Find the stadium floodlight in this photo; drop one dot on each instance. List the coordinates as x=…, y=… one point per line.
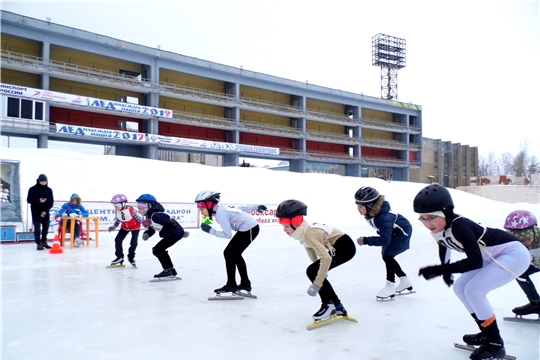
x=388, y=53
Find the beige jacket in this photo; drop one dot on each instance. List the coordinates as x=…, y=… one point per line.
x=319, y=240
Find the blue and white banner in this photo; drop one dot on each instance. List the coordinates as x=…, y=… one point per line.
x=159, y=139
x=47, y=95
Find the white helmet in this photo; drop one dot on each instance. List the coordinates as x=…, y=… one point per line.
x=208, y=195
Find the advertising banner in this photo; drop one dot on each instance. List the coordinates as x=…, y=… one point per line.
x=47, y=95
x=10, y=198
x=159, y=139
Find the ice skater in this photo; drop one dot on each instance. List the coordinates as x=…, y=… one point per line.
x=231, y=218
x=523, y=225
x=394, y=235
x=169, y=230
x=326, y=246
x=131, y=222
x=493, y=258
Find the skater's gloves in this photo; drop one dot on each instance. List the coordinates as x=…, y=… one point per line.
x=206, y=228
x=261, y=208
x=448, y=279
x=111, y=228
x=145, y=236
x=360, y=241
x=431, y=272
x=146, y=223
x=313, y=290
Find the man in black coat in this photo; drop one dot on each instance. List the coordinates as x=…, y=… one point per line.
x=41, y=200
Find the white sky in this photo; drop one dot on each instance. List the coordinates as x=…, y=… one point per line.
x=69, y=303
x=473, y=66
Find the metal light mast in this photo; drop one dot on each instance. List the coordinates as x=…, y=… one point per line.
x=388, y=52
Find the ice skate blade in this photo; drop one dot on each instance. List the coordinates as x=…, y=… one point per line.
x=167, y=278
x=405, y=292
x=520, y=319
x=115, y=266
x=233, y=296
x=333, y=318
x=472, y=348
x=246, y=294
x=388, y=298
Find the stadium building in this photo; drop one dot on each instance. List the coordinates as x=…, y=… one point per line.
x=64, y=84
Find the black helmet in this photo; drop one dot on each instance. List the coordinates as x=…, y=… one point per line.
x=366, y=195
x=433, y=198
x=291, y=208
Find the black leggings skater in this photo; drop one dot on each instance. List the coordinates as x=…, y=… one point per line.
x=132, y=245
x=392, y=268
x=233, y=256
x=345, y=251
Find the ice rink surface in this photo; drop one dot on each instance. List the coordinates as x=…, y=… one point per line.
x=69, y=306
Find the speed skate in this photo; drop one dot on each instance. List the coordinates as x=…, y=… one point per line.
x=521, y=319
x=333, y=318
x=233, y=296
x=166, y=278
x=472, y=348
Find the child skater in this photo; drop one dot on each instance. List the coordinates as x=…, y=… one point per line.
x=394, y=232
x=131, y=221
x=493, y=258
x=73, y=209
x=231, y=219
x=327, y=247
x=170, y=231
x=523, y=225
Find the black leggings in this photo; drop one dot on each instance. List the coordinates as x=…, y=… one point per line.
x=345, y=251
x=132, y=246
x=392, y=268
x=233, y=256
x=160, y=251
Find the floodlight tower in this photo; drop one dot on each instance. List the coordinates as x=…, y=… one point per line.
x=388, y=52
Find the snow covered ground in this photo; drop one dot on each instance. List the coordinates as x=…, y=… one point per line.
x=65, y=306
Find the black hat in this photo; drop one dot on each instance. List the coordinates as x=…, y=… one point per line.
x=42, y=177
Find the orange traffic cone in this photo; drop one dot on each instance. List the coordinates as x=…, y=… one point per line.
x=56, y=248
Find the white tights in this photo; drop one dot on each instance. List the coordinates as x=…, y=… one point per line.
x=473, y=286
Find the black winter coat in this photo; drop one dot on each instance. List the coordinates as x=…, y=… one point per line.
x=37, y=192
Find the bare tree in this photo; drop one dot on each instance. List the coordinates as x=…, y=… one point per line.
x=533, y=166
x=506, y=162
x=519, y=163
x=482, y=166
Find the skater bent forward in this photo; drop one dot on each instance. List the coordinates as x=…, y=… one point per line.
x=493, y=258
x=326, y=246
x=170, y=231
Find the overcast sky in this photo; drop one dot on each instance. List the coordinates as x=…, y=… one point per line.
x=473, y=66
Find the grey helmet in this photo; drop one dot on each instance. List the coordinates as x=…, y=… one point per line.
x=366, y=195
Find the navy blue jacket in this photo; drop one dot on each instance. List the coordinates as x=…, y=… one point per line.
x=394, y=230
x=164, y=223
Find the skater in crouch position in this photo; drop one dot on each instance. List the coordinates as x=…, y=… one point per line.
x=394, y=235
x=73, y=209
x=169, y=229
x=327, y=247
x=131, y=222
x=230, y=219
x=523, y=225
x=493, y=258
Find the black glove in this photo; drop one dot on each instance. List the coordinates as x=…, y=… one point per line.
x=448, y=279
x=206, y=228
x=145, y=236
x=430, y=272
x=261, y=208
